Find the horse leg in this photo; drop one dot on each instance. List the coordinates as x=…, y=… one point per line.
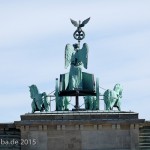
x=118, y=105
x=111, y=105
x=32, y=109
x=111, y=108
x=119, y=108
x=42, y=108
x=108, y=107
x=33, y=105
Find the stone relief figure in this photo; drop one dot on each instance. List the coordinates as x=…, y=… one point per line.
x=112, y=98
x=76, y=58
x=90, y=102
x=40, y=102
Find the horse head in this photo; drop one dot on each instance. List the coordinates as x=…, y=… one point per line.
x=33, y=91
x=118, y=89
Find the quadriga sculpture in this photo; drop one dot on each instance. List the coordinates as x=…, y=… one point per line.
x=112, y=98
x=40, y=102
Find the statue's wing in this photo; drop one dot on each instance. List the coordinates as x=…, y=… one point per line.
x=68, y=54
x=85, y=22
x=84, y=55
x=75, y=23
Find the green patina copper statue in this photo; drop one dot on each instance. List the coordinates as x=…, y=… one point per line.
x=62, y=103
x=112, y=98
x=75, y=82
x=40, y=102
x=59, y=104
x=90, y=102
x=66, y=103
x=76, y=58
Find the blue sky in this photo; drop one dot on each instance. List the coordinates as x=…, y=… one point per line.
x=33, y=35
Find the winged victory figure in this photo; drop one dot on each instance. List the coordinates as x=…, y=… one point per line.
x=76, y=58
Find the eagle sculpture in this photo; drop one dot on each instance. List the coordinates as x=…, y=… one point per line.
x=76, y=24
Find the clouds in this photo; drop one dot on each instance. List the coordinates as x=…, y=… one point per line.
x=33, y=35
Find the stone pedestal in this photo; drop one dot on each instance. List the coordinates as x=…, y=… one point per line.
x=92, y=130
